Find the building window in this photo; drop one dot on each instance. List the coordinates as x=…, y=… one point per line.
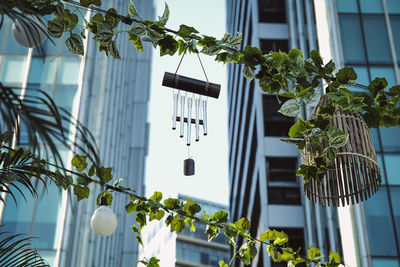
x=282, y=169
x=282, y=183
x=275, y=124
x=268, y=45
x=271, y=11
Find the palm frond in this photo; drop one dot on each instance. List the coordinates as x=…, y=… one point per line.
x=47, y=125
x=15, y=251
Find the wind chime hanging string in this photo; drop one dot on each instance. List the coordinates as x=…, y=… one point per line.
x=198, y=89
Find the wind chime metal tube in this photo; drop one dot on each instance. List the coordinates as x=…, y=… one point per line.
x=189, y=120
x=175, y=112
x=197, y=104
x=204, y=117
x=182, y=121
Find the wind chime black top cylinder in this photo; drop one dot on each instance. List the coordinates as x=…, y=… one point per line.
x=191, y=85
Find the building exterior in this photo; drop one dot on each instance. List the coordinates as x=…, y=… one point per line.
x=263, y=185
x=110, y=98
x=185, y=249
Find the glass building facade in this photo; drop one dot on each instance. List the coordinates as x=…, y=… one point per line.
x=56, y=72
x=117, y=119
x=363, y=34
x=370, y=38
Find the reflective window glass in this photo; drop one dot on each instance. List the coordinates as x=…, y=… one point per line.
x=3, y=32
x=386, y=72
x=362, y=75
x=350, y=31
x=49, y=256
x=64, y=96
x=13, y=70
x=392, y=163
x=380, y=162
x=395, y=24
x=382, y=262
x=347, y=6
x=379, y=224
x=43, y=71
x=271, y=11
x=50, y=47
x=390, y=139
x=68, y=70
x=376, y=38
x=375, y=139
x=45, y=222
x=17, y=218
x=371, y=6
x=395, y=195
x=393, y=6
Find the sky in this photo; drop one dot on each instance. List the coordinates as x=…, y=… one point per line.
x=167, y=151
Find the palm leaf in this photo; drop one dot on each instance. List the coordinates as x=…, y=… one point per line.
x=15, y=251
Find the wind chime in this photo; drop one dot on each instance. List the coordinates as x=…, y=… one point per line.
x=186, y=92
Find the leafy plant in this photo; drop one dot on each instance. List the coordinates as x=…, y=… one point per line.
x=15, y=251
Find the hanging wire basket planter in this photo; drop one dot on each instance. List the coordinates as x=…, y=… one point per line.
x=356, y=175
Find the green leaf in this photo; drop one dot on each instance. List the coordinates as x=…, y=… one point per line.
x=185, y=31
x=295, y=53
x=191, y=207
x=243, y=224
x=81, y=192
x=291, y=108
x=237, y=39
x=297, y=129
x=211, y=50
x=330, y=153
x=316, y=57
x=141, y=220
x=79, y=162
x=177, y=224
x=334, y=257
x=130, y=207
x=104, y=174
x=74, y=44
x=86, y=3
x=395, y=90
x=138, y=29
x=112, y=48
x=346, y=75
x=104, y=37
x=168, y=45
x=276, y=256
x=107, y=195
x=159, y=214
x=157, y=196
x=92, y=170
x=308, y=172
x=136, y=42
x=163, y=20
x=312, y=97
x=55, y=28
x=287, y=94
x=248, y=73
x=314, y=253
x=221, y=216
x=377, y=85
x=222, y=264
x=153, y=262
x=83, y=180
x=132, y=12
x=299, y=142
x=252, y=56
x=171, y=203
x=339, y=141
x=59, y=10
x=118, y=181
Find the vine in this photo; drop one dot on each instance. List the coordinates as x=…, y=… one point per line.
x=287, y=75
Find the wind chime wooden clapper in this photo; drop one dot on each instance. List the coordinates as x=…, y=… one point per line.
x=186, y=93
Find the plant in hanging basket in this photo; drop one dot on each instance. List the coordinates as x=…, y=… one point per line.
x=342, y=155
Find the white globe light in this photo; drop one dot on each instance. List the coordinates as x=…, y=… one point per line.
x=29, y=32
x=103, y=221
